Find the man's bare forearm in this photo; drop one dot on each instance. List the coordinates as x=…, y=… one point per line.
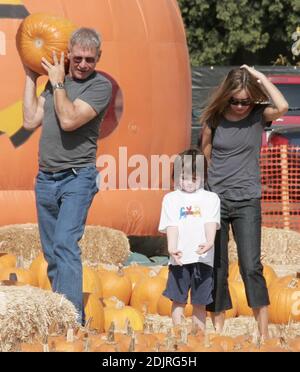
x=30, y=101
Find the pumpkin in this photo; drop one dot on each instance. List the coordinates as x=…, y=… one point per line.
x=41, y=273
x=285, y=301
x=242, y=303
x=233, y=312
x=120, y=315
x=164, y=306
x=147, y=292
x=135, y=273
x=68, y=344
x=227, y=343
x=22, y=275
x=93, y=309
x=237, y=284
x=91, y=282
x=116, y=284
x=39, y=35
x=294, y=344
x=35, y=264
x=8, y=260
x=33, y=348
x=268, y=272
x=164, y=272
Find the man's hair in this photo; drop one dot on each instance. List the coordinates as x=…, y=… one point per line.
x=189, y=164
x=87, y=38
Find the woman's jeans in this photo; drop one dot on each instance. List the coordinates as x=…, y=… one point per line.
x=63, y=200
x=245, y=219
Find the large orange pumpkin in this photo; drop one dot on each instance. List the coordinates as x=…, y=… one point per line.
x=120, y=315
x=94, y=312
x=164, y=307
x=268, y=272
x=147, y=292
x=285, y=301
x=22, y=275
x=8, y=260
x=39, y=35
x=144, y=50
x=116, y=284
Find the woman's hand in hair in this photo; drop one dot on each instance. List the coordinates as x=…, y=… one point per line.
x=256, y=74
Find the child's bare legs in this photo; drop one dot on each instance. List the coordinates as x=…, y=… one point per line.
x=218, y=320
x=199, y=316
x=177, y=313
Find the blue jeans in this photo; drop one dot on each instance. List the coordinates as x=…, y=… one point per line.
x=63, y=200
x=245, y=219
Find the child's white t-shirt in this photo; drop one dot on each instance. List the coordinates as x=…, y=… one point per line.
x=190, y=212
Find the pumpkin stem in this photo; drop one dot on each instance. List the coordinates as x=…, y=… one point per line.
x=132, y=345
x=20, y=262
x=207, y=343
x=45, y=348
x=88, y=323
x=128, y=327
x=293, y=283
x=111, y=332
x=120, y=271
x=86, y=345
x=70, y=335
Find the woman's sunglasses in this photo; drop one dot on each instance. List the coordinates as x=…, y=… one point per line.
x=242, y=102
x=88, y=60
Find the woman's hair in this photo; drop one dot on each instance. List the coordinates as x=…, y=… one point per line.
x=190, y=164
x=236, y=80
x=87, y=38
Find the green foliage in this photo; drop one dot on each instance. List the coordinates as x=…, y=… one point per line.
x=223, y=32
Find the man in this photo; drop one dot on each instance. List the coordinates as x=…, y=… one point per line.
x=70, y=111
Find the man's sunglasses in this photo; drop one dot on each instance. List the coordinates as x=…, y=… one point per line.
x=79, y=59
x=242, y=102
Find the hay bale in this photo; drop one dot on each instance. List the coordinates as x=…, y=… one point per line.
x=99, y=244
x=279, y=247
x=29, y=314
x=104, y=245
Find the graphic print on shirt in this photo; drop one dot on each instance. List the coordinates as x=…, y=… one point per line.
x=193, y=211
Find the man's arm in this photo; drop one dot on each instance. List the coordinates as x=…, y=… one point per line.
x=33, y=107
x=72, y=115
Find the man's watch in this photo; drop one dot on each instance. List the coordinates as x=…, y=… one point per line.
x=58, y=86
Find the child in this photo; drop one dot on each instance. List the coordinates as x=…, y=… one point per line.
x=190, y=217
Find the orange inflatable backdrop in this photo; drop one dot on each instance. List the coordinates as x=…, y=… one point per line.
x=144, y=53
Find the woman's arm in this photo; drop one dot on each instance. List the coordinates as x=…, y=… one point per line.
x=207, y=142
x=280, y=103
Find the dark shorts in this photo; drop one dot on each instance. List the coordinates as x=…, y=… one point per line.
x=196, y=276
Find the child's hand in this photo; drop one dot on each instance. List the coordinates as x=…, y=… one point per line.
x=203, y=248
x=177, y=256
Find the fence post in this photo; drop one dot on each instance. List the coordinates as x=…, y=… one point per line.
x=285, y=186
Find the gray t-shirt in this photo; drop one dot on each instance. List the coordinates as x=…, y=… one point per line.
x=60, y=150
x=234, y=172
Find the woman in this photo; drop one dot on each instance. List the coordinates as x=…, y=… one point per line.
x=233, y=123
